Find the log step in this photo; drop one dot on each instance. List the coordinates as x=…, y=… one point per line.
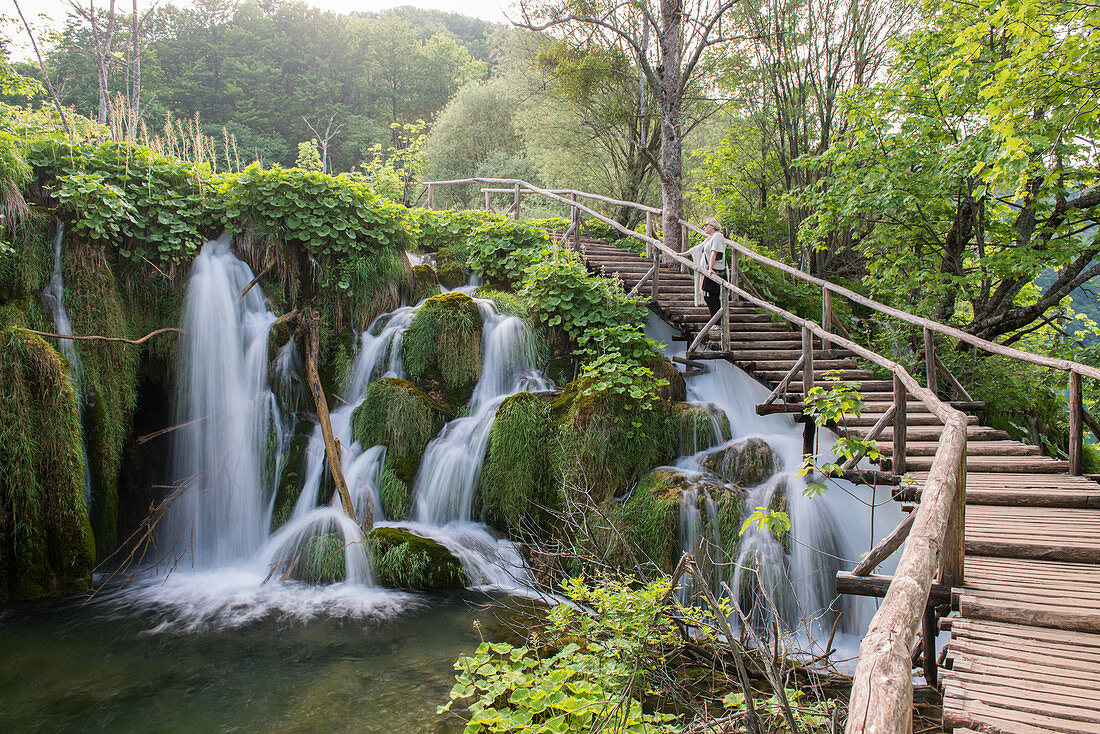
x=973, y=448
x=998, y=464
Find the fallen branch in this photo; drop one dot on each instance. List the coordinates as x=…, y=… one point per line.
x=92, y=337
x=253, y=282
x=332, y=446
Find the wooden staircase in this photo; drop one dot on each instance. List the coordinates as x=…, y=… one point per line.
x=1025, y=649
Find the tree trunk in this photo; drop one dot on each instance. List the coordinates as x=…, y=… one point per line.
x=672, y=197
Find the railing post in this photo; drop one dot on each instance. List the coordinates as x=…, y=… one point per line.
x=515, y=204
x=655, y=285
x=735, y=274
x=808, y=362
x=576, y=223
x=649, y=233
x=899, y=426
x=725, y=320
x=929, y=360
x=1076, y=424
x=953, y=556
x=826, y=315
x=488, y=203
x=431, y=199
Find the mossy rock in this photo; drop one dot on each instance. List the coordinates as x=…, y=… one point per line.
x=290, y=480
x=406, y=561
x=747, y=462
x=443, y=345
x=398, y=415
x=696, y=427
x=46, y=542
x=664, y=369
x=425, y=283
x=519, y=493
x=451, y=274
x=607, y=443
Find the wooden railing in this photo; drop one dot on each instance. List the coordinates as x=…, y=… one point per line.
x=882, y=690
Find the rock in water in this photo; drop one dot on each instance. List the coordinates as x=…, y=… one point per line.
x=747, y=462
x=406, y=561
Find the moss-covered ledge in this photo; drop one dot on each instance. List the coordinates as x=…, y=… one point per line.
x=406, y=561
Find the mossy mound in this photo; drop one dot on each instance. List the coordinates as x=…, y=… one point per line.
x=321, y=560
x=110, y=381
x=406, y=561
x=519, y=495
x=398, y=415
x=451, y=274
x=696, y=427
x=607, y=443
x=748, y=462
x=664, y=369
x=46, y=541
x=425, y=283
x=289, y=481
x=443, y=345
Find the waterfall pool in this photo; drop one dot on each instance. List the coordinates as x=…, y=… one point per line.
x=72, y=667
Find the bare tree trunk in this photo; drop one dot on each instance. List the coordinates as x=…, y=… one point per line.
x=672, y=195
x=45, y=75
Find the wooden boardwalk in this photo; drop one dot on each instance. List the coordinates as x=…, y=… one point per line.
x=1024, y=653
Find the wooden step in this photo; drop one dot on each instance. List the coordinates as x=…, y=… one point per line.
x=786, y=365
x=774, y=376
x=932, y=433
x=998, y=464
x=916, y=419
x=973, y=448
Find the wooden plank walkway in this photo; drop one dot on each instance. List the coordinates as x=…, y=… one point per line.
x=1024, y=654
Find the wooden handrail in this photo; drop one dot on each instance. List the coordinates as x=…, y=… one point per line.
x=882, y=689
x=1064, y=365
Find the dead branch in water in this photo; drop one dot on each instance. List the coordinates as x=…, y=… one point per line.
x=118, y=339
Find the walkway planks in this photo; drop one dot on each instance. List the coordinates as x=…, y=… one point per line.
x=1024, y=654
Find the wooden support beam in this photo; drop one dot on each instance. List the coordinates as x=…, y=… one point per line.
x=703, y=332
x=951, y=379
x=638, y=286
x=807, y=361
x=877, y=585
x=826, y=315
x=929, y=360
x=488, y=203
x=1076, y=424
x=735, y=274
x=928, y=635
x=871, y=436
x=431, y=199
x=898, y=463
x=953, y=557
x=515, y=205
x=782, y=386
x=885, y=547
x=725, y=311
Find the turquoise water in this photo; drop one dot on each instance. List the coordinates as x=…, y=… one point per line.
x=71, y=667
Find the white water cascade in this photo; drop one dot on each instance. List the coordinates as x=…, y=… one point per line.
x=53, y=297
x=828, y=533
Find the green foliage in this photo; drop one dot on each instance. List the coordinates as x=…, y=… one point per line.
x=811, y=716
x=321, y=560
x=503, y=250
x=309, y=159
x=406, y=561
x=144, y=206
x=443, y=344
x=518, y=492
x=447, y=232
x=325, y=215
x=393, y=493
x=393, y=172
x=608, y=379
x=588, y=671
x=46, y=542
x=833, y=400
x=772, y=521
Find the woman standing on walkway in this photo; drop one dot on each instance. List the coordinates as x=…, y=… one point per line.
x=714, y=256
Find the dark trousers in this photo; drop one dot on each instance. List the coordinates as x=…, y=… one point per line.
x=712, y=292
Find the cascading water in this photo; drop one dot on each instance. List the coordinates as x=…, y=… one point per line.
x=53, y=297
x=828, y=533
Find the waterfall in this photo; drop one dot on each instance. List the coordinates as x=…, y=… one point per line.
x=226, y=411
x=53, y=298
x=443, y=491
x=828, y=533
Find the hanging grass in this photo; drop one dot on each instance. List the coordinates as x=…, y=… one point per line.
x=519, y=491
x=443, y=345
x=110, y=380
x=425, y=283
x=46, y=541
x=405, y=561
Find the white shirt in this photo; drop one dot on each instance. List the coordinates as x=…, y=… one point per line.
x=716, y=243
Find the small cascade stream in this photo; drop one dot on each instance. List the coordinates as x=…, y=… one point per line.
x=53, y=298
x=828, y=533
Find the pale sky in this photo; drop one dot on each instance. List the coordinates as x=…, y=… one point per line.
x=493, y=10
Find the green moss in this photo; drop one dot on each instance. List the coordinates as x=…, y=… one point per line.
x=451, y=274
x=405, y=561
x=664, y=369
x=321, y=560
x=394, y=494
x=443, y=345
x=694, y=427
x=110, y=380
x=747, y=462
x=290, y=481
x=398, y=415
x=606, y=443
x=46, y=544
x=27, y=260
x=518, y=493
x=425, y=283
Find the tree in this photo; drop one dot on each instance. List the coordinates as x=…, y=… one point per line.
x=973, y=168
x=682, y=34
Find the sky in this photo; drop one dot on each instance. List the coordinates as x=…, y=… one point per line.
x=493, y=10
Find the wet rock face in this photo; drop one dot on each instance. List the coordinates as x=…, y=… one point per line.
x=748, y=462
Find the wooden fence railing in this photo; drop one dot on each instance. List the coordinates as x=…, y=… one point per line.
x=882, y=690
